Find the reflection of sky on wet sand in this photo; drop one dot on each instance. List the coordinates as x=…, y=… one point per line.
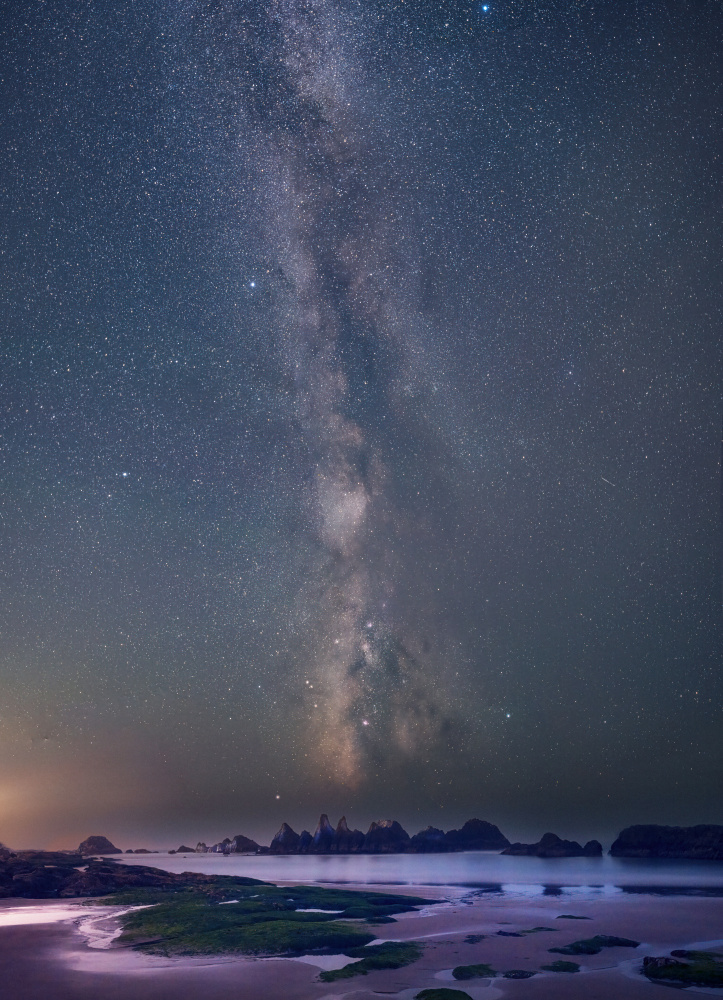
x=41, y=913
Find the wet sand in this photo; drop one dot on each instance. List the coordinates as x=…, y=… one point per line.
x=53, y=961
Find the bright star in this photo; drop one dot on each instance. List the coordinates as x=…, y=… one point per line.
x=485, y=7
x=253, y=284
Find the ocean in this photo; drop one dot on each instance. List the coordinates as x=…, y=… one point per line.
x=483, y=871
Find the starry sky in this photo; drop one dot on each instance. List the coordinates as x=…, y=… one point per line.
x=360, y=416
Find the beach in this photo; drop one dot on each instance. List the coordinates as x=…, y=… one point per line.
x=73, y=956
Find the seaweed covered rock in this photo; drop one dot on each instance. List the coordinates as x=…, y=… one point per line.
x=695, y=843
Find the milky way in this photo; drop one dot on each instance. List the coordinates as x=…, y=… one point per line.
x=330, y=226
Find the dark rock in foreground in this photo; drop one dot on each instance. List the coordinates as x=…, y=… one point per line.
x=696, y=843
x=476, y=835
x=29, y=879
x=552, y=846
x=98, y=845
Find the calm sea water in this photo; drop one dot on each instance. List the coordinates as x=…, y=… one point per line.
x=480, y=870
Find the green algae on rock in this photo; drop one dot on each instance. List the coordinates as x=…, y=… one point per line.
x=390, y=955
x=480, y=971
x=442, y=994
x=686, y=968
x=561, y=966
x=594, y=945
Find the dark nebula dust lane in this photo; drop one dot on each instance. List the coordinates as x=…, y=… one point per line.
x=361, y=417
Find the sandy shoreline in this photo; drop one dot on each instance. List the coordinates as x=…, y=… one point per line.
x=53, y=961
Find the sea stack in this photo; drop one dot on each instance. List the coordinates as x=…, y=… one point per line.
x=323, y=836
x=346, y=841
x=98, y=845
x=696, y=843
x=286, y=841
x=386, y=837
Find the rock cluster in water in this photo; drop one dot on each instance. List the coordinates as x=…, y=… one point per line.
x=551, y=846
x=695, y=843
x=385, y=836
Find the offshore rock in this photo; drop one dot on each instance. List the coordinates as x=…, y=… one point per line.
x=201, y=848
x=476, y=835
x=323, y=836
x=243, y=845
x=695, y=843
x=385, y=837
x=346, y=841
x=98, y=845
x=429, y=841
x=551, y=846
x=221, y=848
x=185, y=850
x=305, y=840
x=286, y=841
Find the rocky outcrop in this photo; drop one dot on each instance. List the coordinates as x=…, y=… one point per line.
x=286, y=841
x=551, y=846
x=201, y=848
x=243, y=845
x=27, y=879
x=305, y=840
x=223, y=847
x=346, y=841
x=385, y=837
x=185, y=850
x=476, y=835
x=98, y=845
x=695, y=843
x=429, y=841
x=323, y=836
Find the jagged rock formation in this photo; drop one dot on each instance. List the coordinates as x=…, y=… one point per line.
x=243, y=845
x=476, y=835
x=286, y=841
x=696, y=843
x=98, y=845
x=346, y=841
x=551, y=846
x=429, y=841
x=201, y=848
x=221, y=848
x=385, y=837
x=305, y=840
x=323, y=837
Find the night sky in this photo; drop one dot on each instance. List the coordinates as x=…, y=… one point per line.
x=360, y=402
